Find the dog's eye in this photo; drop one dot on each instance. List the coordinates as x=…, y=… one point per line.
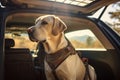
x=44, y=23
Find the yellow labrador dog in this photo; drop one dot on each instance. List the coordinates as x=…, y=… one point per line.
x=61, y=61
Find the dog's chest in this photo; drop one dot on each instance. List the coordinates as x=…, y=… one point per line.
x=70, y=68
x=55, y=59
x=65, y=64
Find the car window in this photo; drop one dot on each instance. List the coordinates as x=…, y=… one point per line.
x=84, y=39
x=16, y=29
x=21, y=40
x=111, y=16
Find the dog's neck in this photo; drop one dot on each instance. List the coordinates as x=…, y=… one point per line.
x=55, y=43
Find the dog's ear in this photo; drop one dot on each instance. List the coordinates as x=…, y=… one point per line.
x=59, y=26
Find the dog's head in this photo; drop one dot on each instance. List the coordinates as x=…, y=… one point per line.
x=48, y=25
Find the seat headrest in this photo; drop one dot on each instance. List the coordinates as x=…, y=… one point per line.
x=9, y=43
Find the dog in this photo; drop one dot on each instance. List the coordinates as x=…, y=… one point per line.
x=61, y=61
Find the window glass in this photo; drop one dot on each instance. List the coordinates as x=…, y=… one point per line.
x=16, y=29
x=21, y=40
x=111, y=16
x=84, y=39
x=75, y=2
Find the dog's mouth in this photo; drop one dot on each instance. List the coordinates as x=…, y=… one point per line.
x=32, y=38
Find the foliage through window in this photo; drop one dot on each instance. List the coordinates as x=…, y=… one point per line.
x=84, y=39
x=111, y=16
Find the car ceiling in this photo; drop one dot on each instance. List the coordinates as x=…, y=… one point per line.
x=51, y=5
x=89, y=7
x=25, y=20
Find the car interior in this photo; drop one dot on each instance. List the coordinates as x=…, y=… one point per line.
x=24, y=59
x=21, y=63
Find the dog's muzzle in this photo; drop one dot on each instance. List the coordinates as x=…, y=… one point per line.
x=31, y=36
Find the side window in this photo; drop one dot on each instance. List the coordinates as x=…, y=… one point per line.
x=21, y=40
x=84, y=39
x=16, y=29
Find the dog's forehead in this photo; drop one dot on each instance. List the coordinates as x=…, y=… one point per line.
x=44, y=18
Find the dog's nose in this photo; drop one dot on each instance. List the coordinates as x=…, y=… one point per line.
x=30, y=30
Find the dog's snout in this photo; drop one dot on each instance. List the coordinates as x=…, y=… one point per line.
x=30, y=30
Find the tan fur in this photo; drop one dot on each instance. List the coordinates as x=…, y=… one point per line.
x=53, y=34
x=71, y=69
